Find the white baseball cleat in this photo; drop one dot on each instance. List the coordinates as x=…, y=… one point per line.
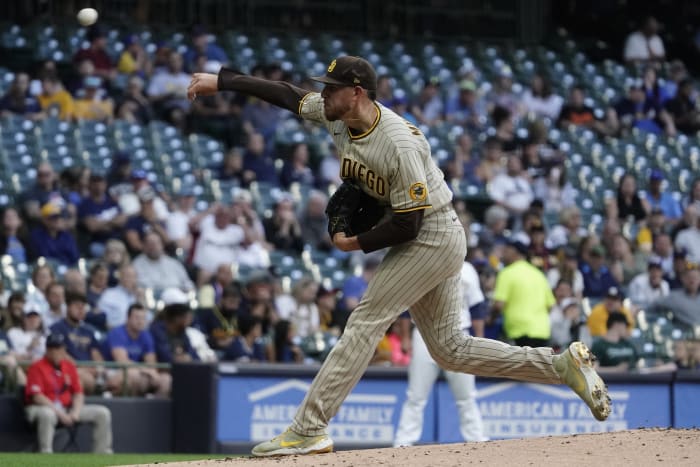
x=575, y=368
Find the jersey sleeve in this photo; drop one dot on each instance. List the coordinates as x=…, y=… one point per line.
x=409, y=186
x=311, y=108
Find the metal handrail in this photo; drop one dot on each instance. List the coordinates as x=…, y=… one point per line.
x=9, y=381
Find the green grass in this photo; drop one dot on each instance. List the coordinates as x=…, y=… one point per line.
x=95, y=460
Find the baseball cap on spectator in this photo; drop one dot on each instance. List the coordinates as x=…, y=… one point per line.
x=96, y=176
x=399, y=99
x=654, y=262
x=121, y=158
x=95, y=32
x=519, y=245
x=680, y=253
x=349, y=71
x=146, y=194
x=185, y=191
x=31, y=309
x=55, y=340
x=614, y=293
x=138, y=174
x=505, y=72
x=50, y=209
x=656, y=175
x=597, y=250
x=92, y=82
x=242, y=195
x=173, y=295
x=467, y=85
x=259, y=276
x=131, y=39
x=322, y=292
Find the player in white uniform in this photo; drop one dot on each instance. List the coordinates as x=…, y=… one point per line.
x=390, y=160
x=423, y=371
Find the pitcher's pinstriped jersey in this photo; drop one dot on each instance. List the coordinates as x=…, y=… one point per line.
x=391, y=161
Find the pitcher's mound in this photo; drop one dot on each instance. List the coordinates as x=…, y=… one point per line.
x=635, y=447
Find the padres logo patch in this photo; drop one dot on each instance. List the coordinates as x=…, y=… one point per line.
x=418, y=192
x=331, y=67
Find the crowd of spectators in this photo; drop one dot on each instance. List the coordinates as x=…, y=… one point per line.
x=161, y=285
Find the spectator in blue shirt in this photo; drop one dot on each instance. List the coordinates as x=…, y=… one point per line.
x=257, y=164
x=663, y=200
x=44, y=190
x=169, y=332
x=132, y=343
x=17, y=100
x=145, y=221
x=99, y=215
x=13, y=238
x=248, y=347
x=355, y=286
x=597, y=278
x=51, y=239
x=296, y=167
x=81, y=340
x=203, y=45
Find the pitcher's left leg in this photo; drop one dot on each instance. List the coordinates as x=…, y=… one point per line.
x=437, y=318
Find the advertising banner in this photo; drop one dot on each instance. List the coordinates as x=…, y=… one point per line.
x=686, y=408
x=259, y=408
x=521, y=410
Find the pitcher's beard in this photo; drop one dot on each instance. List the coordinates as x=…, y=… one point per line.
x=335, y=114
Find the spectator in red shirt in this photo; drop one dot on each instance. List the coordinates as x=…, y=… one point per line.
x=97, y=54
x=54, y=395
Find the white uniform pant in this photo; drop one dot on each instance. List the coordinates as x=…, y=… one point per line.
x=422, y=374
x=46, y=421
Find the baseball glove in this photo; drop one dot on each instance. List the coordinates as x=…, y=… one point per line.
x=352, y=211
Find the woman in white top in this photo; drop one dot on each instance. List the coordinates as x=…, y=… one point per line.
x=303, y=313
x=29, y=340
x=42, y=276
x=540, y=100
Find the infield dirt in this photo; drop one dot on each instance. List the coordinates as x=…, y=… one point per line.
x=645, y=447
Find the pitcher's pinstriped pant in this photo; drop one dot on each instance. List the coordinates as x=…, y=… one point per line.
x=423, y=276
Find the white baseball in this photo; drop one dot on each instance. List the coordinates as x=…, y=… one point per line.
x=87, y=16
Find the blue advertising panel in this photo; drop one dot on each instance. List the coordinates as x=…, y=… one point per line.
x=521, y=410
x=259, y=408
x=686, y=408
